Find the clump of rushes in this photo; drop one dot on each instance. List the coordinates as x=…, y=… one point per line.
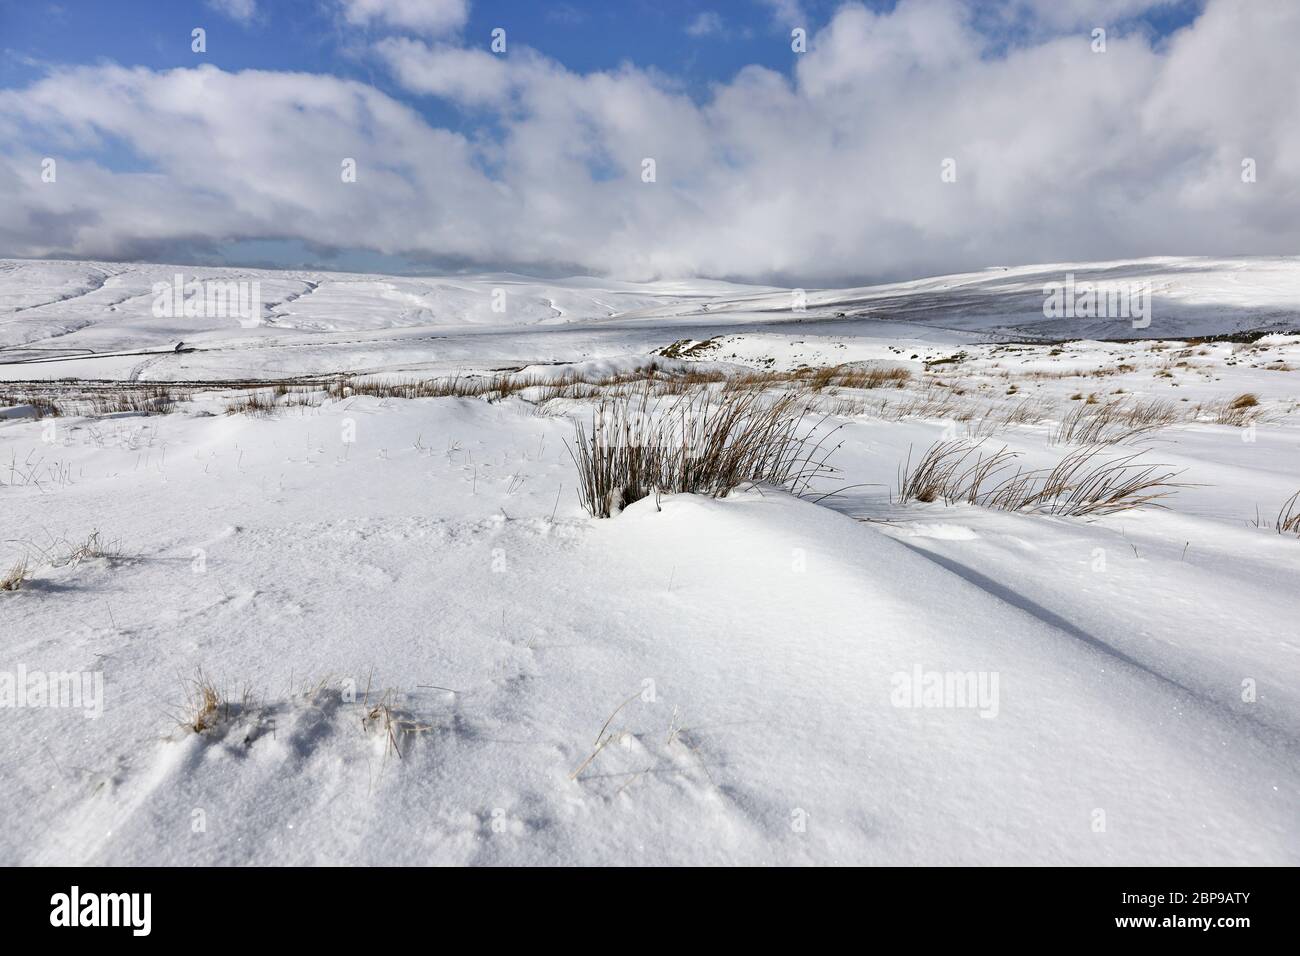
x=1239, y=410
x=1079, y=485
x=1114, y=422
x=702, y=444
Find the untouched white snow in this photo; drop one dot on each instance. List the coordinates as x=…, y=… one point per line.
x=698, y=681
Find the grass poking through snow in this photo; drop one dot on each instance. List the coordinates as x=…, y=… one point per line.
x=13, y=579
x=698, y=444
x=1288, y=516
x=205, y=706
x=1079, y=485
x=1114, y=422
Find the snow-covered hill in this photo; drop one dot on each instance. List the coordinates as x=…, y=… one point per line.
x=98, y=319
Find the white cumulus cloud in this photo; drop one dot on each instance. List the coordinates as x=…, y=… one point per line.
x=432, y=17
x=706, y=23
x=830, y=173
x=241, y=10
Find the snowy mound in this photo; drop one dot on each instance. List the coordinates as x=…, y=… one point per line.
x=447, y=661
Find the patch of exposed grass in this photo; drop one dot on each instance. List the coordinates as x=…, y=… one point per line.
x=689, y=348
x=59, y=401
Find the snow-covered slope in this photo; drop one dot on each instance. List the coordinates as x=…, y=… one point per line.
x=97, y=319
x=756, y=645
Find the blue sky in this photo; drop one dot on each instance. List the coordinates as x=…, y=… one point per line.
x=308, y=35
x=817, y=154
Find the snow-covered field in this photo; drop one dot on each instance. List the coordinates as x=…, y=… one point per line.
x=430, y=653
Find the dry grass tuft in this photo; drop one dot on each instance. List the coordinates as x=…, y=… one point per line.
x=1288, y=516
x=93, y=547
x=13, y=579
x=205, y=706
x=61, y=552
x=698, y=444
x=257, y=403
x=1239, y=410
x=1081, y=486
x=935, y=402
x=1078, y=485
x=396, y=725
x=942, y=474
x=57, y=400
x=849, y=376
x=1114, y=422
x=139, y=400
